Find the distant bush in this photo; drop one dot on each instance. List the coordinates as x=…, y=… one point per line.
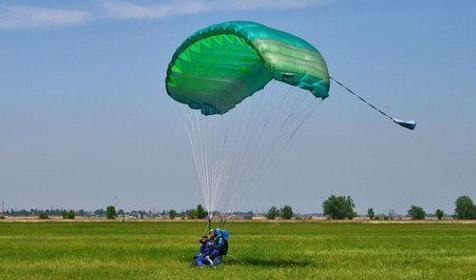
x=416, y=213
x=370, y=213
x=69, y=215
x=286, y=212
x=2, y=217
x=191, y=214
x=339, y=207
x=272, y=213
x=200, y=212
x=111, y=212
x=172, y=214
x=465, y=208
x=439, y=214
x=43, y=216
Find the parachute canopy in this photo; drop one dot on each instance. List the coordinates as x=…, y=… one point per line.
x=217, y=67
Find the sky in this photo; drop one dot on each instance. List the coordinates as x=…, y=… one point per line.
x=85, y=120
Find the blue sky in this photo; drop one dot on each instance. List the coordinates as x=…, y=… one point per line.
x=84, y=115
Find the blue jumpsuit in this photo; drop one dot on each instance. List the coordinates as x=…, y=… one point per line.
x=215, y=253
x=205, y=250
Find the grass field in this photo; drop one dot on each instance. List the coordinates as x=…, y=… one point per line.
x=161, y=250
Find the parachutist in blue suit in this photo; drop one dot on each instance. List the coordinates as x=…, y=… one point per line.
x=219, y=245
x=203, y=256
x=213, y=248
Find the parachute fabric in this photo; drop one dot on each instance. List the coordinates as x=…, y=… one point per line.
x=219, y=66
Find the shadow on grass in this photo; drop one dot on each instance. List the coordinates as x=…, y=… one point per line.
x=267, y=262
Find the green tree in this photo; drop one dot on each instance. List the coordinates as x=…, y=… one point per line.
x=69, y=215
x=172, y=214
x=439, y=214
x=286, y=212
x=111, y=212
x=465, y=208
x=200, y=212
x=370, y=213
x=339, y=207
x=191, y=213
x=416, y=212
x=272, y=213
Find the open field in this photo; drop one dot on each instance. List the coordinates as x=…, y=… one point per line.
x=258, y=250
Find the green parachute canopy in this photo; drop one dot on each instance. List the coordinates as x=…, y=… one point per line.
x=219, y=66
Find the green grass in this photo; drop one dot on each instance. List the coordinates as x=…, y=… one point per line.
x=161, y=250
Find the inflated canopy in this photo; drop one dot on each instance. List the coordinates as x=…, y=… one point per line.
x=217, y=67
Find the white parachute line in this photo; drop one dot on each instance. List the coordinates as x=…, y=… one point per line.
x=261, y=128
x=203, y=160
x=192, y=135
x=289, y=135
x=198, y=135
x=269, y=155
x=212, y=160
x=245, y=118
x=213, y=168
x=260, y=124
x=274, y=103
x=204, y=125
x=203, y=132
x=279, y=142
x=255, y=115
x=233, y=150
x=304, y=119
x=193, y=142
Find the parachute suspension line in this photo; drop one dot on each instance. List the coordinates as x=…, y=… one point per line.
x=286, y=126
x=260, y=115
x=219, y=147
x=411, y=124
x=292, y=122
x=232, y=151
x=265, y=134
x=243, y=144
x=208, y=227
x=223, y=221
x=194, y=136
x=257, y=123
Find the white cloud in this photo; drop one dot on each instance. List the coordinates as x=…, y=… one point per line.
x=24, y=17
x=129, y=10
x=27, y=17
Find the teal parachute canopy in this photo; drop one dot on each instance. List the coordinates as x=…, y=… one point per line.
x=217, y=67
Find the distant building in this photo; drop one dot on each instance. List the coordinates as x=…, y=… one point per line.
x=259, y=217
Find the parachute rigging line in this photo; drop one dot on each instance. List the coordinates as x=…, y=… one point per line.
x=406, y=124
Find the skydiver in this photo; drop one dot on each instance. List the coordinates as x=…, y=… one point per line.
x=203, y=256
x=219, y=242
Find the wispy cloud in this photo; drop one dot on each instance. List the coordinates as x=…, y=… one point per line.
x=24, y=17
x=27, y=17
x=127, y=9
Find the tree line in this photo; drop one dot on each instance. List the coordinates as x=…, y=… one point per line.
x=335, y=207
x=110, y=212
x=342, y=207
